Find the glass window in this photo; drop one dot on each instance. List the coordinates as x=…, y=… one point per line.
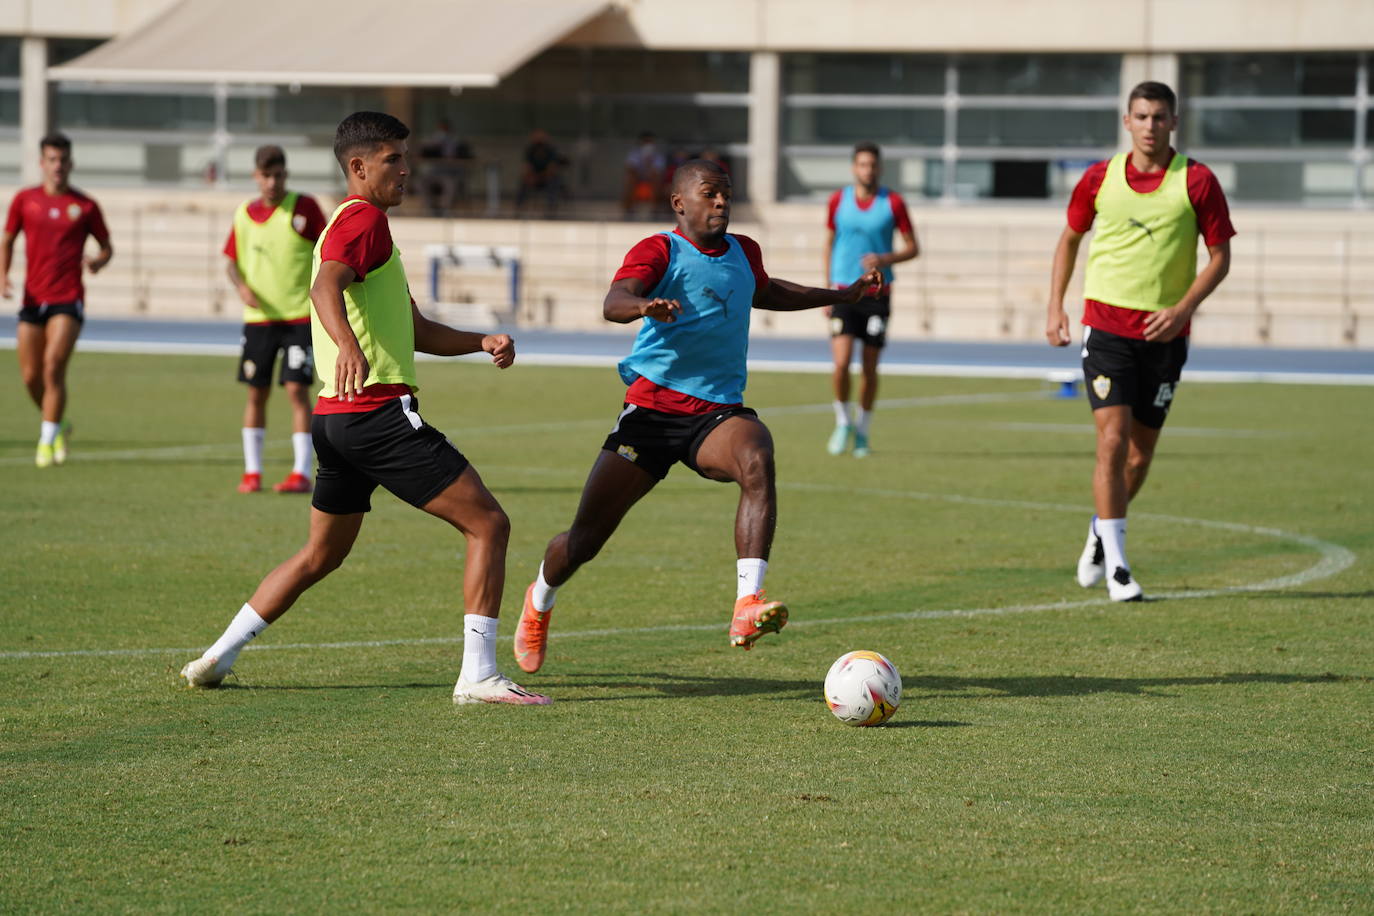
x=1269, y=127
x=9, y=56
x=1037, y=127
x=868, y=74
x=1253, y=75
x=131, y=111
x=1040, y=74
x=847, y=126
x=9, y=107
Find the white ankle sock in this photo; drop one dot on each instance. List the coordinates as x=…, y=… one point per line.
x=543, y=593
x=749, y=576
x=842, y=413
x=479, y=648
x=245, y=625
x=302, y=446
x=1112, y=531
x=252, y=449
x=47, y=432
x=862, y=420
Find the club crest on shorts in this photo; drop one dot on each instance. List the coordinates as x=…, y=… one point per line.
x=1102, y=386
x=250, y=368
x=627, y=452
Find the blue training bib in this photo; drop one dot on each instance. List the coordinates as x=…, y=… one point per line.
x=860, y=232
x=703, y=353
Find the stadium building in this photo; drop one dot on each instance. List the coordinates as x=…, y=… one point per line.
x=987, y=111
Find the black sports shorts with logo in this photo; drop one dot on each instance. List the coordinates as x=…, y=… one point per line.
x=655, y=440
x=39, y=314
x=390, y=447
x=1123, y=370
x=864, y=320
x=262, y=343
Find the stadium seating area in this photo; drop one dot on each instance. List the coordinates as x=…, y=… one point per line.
x=1298, y=278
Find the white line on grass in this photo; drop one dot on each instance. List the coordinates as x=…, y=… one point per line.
x=1333, y=559
x=818, y=366
x=191, y=451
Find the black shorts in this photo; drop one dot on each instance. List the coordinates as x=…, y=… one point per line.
x=39, y=314
x=1122, y=370
x=865, y=320
x=262, y=343
x=655, y=440
x=390, y=446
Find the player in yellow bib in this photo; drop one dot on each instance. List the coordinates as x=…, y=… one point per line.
x=1150, y=206
x=269, y=251
x=367, y=429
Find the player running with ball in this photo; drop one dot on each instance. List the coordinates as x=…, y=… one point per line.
x=1150, y=206
x=367, y=430
x=694, y=288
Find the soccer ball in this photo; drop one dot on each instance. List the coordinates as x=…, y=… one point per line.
x=863, y=688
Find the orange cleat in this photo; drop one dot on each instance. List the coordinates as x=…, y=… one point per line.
x=531, y=635
x=755, y=616
x=295, y=482
x=251, y=483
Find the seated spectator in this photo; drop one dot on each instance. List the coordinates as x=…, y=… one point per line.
x=541, y=172
x=444, y=156
x=643, y=175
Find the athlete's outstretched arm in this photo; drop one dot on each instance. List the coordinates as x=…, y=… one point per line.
x=441, y=340
x=1057, y=320
x=326, y=295
x=626, y=302
x=786, y=296
x=245, y=291
x=1165, y=324
x=910, y=248
x=6, y=258
x=102, y=257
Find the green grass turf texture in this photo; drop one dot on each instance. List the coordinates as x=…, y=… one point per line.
x=1194, y=754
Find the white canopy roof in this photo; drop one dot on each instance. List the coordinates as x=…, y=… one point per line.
x=334, y=42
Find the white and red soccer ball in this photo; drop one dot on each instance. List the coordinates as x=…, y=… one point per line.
x=863, y=688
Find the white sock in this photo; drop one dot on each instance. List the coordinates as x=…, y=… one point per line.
x=542, y=594
x=861, y=422
x=252, y=449
x=47, y=432
x=245, y=625
x=479, y=648
x=842, y=413
x=1113, y=534
x=749, y=578
x=302, y=446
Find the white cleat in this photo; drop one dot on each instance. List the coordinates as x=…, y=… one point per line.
x=1092, y=565
x=1122, y=587
x=201, y=673
x=496, y=689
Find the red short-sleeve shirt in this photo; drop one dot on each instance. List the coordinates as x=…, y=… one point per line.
x=648, y=261
x=360, y=239
x=1213, y=224
x=55, y=229
x=306, y=218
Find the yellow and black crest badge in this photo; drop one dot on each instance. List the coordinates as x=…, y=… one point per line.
x=1102, y=386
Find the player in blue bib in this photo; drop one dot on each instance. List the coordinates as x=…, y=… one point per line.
x=695, y=289
x=859, y=229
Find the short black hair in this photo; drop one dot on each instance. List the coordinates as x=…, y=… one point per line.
x=265, y=157
x=1154, y=92
x=866, y=146
x=695, y=168
x=57, y=141
x=363, y=132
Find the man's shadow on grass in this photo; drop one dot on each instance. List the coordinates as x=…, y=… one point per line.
x=659, y=684
x=662, y=685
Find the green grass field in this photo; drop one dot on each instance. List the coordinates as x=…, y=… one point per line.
x=1210, y=751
